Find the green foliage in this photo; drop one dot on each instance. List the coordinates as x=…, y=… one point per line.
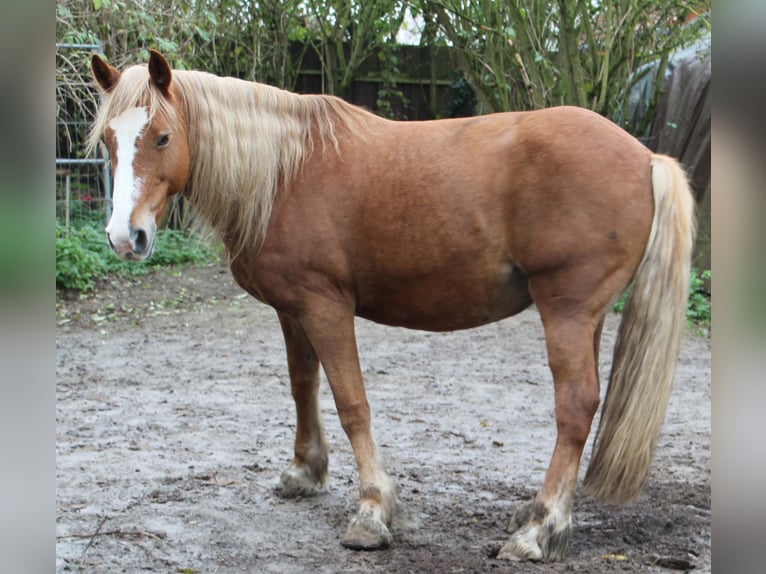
x=83, y=255
x=176, y=247
x=698, y=307
x=77, y=267
x=264, y=41
x=519, y=54
x=530, y=54
x=347, y=33
x=389, y=92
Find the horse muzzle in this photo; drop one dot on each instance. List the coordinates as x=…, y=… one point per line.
x=137, y=245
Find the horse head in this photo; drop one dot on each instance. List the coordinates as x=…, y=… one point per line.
x=144, y=131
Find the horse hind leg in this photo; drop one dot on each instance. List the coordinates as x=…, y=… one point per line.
x=308, y=470
x=540, y=530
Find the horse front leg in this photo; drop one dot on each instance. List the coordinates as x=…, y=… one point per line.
x=330, y=327
x=540, y=530
x=308, y=470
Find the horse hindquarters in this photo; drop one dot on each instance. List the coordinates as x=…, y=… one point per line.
x=642, y=373
x=648, y=344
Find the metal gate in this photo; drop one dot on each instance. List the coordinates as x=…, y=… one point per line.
x=83, y=184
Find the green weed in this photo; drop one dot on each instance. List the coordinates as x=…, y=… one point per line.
x=83, y=255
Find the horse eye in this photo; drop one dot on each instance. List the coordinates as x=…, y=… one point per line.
x=163, y=141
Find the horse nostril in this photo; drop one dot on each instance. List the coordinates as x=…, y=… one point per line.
x=140, y=241
x=109, y=239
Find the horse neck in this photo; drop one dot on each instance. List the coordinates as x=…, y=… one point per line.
x=246, y=140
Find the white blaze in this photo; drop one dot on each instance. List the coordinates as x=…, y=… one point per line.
x=127, y=128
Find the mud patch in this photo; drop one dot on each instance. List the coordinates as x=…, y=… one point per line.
x=174, y=422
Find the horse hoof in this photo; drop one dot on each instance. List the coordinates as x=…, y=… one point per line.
x=297, y=481
x=518, y=548
x=535, y=535
x=366, y=532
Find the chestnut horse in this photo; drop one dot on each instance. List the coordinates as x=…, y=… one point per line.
x=329, y=212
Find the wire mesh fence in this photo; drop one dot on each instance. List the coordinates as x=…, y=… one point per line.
x=83, y=184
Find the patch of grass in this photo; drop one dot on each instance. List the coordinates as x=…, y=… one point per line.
x=83, y=255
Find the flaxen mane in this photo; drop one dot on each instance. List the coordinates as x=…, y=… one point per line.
x=246, y=141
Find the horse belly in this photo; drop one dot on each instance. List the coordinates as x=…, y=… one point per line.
x=445, y=301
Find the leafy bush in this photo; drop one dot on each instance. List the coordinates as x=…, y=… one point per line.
x=174, y=247
x=83, y=255
x=698, y=308
x=77, y=267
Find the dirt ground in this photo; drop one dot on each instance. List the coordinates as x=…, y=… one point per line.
x=174, y=421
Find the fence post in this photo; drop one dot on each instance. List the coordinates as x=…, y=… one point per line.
x=68, y=196
x=108, y=189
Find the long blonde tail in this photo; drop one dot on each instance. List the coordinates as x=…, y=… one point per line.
x=648, y=343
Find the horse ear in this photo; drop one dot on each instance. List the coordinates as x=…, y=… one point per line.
x=159, y=71
x=106, y=76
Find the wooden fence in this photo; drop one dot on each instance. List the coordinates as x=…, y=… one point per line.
x=424, y=77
